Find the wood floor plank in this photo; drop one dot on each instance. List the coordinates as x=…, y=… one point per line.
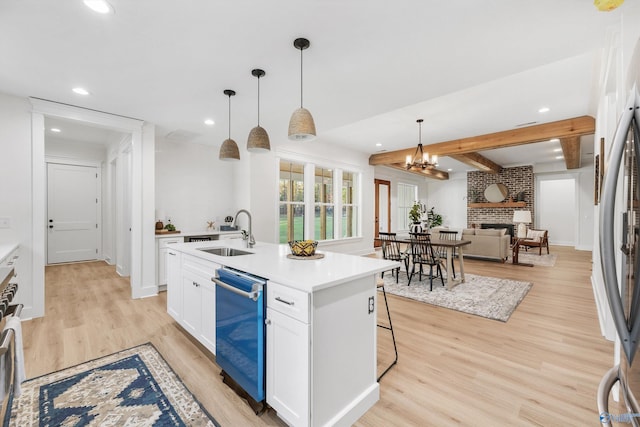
x=542, y=367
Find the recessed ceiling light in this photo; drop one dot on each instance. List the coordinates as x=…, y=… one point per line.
x=544, y=110
x=554, y=140
x=99, y=6
x=80, y=91
x=449, y=170
x=209, y=122
x=378, y=145
x=55, y=130
x=559, y=157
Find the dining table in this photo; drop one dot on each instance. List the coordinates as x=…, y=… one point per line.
x=450, y=246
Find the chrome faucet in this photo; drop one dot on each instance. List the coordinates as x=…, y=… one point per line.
x=247, y=237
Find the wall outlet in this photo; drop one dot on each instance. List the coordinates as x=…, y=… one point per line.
x=5, y=223
x=371, y=305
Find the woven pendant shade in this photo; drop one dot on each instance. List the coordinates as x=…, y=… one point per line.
x=229, y=150
x=301, y=125
x=258, y=140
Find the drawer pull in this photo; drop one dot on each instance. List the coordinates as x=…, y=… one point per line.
x=285, y=301
x=196, y=284
x=171, y=253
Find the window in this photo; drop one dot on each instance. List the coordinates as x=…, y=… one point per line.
x=330, y=212
x=349, y=204
x=407, y=195
x=323, y=206
x=291, y=206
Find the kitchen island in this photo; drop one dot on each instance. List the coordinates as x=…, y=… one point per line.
x=320, y=324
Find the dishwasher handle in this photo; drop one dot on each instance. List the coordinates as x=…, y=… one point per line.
x=256, y=288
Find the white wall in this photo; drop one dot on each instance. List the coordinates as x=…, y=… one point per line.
x=15, y=189
x=396, y=177
x=193, y=186
x=449, y=198
x=61, y=148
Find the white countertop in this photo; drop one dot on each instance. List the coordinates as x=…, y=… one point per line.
x=270, y=261
x=197, y=233
x=6, y=249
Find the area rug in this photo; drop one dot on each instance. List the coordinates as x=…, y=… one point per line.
x=544, y=260
x=488, y=297
x=134, y=387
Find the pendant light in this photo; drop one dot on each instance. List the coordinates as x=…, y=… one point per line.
x=229, y=149
x=258, y=140
x=301, y=125
x=421, y=160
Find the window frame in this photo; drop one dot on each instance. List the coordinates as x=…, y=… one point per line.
x=310, y=203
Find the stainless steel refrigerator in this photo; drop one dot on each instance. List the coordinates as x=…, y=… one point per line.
x=619, y=246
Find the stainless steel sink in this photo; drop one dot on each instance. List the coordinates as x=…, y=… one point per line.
x=225, y=251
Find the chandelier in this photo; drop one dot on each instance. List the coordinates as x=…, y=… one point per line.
x=421, y=160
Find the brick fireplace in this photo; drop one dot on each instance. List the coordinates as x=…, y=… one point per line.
x=516, y=179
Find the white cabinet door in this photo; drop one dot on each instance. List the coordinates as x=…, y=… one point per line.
x=163, y=245
x=288, y=367
x=174, y=284
x=191, y=303
x=208, y=310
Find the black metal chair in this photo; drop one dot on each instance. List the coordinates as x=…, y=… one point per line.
x=442, y=251
x=391, y=251
x=422, y=253
x=380, y=286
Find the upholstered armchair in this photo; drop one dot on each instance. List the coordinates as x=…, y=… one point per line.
x=537, y=239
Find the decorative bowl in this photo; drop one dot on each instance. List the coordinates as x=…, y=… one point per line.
x=303, y=247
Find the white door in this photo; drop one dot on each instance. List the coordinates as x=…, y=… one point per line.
x=72, y=213
x=556, y=210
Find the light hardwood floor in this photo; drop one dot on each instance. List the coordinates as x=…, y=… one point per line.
x=542, y=367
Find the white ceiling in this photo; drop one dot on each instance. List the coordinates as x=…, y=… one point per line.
x=373, y=68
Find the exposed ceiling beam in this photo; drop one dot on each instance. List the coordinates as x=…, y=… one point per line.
x=571, y=151
x=575, y=127
x=427, y=173
x=477, y=161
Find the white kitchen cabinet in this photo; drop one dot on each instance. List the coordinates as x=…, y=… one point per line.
x=174, y=283
x=288, y=371
x=312, y=348
x=198, y=312
x=163, y=245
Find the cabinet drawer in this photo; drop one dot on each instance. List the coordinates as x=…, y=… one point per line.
x=292, y=302
x=199, y=266
x=163, y=243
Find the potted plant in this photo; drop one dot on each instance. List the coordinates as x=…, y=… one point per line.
x=433, y=219
x=415, y=214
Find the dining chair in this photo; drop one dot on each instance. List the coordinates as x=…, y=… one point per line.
x=391, y=251
x=442, y=251
x=422, y=253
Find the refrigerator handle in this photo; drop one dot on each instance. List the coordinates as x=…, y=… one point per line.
x=628, y=337
x=604, y=388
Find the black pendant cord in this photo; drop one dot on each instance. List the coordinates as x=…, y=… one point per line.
x=258, y=100
x=229, y=116
x=301, y=74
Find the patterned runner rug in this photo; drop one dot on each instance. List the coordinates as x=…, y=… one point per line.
x=488, y=297
x=134, y=387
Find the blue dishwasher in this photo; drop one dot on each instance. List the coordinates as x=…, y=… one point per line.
x=240, y=330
